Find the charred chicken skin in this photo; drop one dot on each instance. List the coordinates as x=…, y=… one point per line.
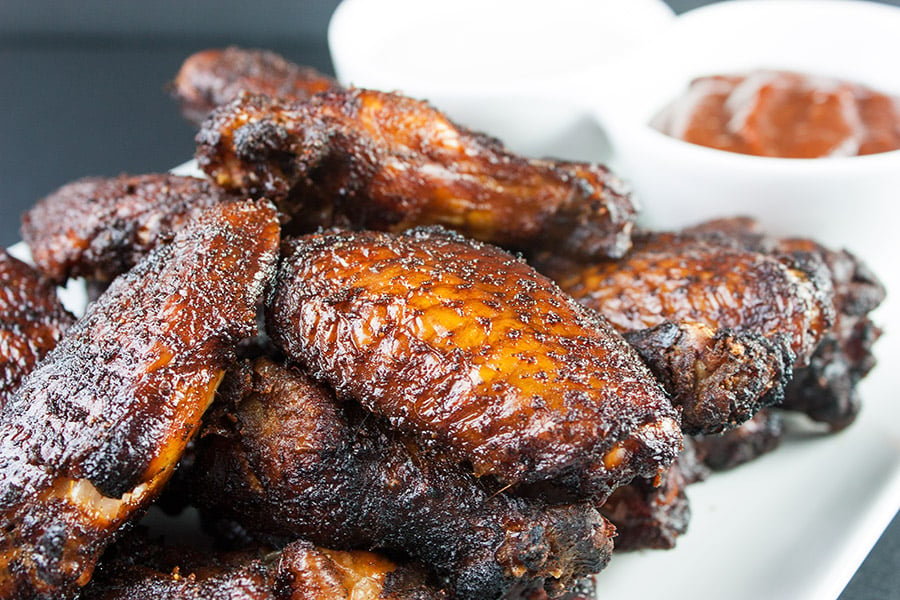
x=460, y=344
x=364, y=159
x=214, y=77
x=99, y=228
x=284, y=459
x=32, y=321
x=299, y=571
x=93, y=433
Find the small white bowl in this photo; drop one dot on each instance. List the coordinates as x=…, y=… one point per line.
x=515, y=69
x=847, y=202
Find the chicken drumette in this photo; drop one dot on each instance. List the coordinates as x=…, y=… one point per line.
x=93, y=433
x=374, y=160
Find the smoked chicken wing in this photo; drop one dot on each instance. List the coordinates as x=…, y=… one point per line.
x=462, y=345
x=282, y=457
x=372, y=160
x=93, y=433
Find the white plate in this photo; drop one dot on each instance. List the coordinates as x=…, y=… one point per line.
x=793, y=525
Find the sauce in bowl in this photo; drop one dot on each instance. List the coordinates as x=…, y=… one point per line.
x=783, y=114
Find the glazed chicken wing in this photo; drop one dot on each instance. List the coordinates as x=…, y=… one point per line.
x=367, y=159
x=284, y=459
x=32, y=321
x=465, y=346
x=100, y=227
x=92, y=434
x=214, y=77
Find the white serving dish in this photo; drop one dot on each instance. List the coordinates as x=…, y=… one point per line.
x=512, y=68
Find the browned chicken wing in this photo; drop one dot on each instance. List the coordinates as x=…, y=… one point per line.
x=763, y=310
x=100, y=227
x=284, y=459
x=214, y=77
x=825, y=388
x=93, y=433
x=373, y=160
x=300, y=571
x=718, y=378
x=32, y=321
x=652, y=514
x=463, y=345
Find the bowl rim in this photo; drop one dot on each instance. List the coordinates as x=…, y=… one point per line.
x=345, y=23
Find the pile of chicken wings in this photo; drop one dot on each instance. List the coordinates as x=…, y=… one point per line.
x=384, y=357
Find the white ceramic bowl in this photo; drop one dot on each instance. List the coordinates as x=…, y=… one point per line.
x=846, y=202
x=516, y=69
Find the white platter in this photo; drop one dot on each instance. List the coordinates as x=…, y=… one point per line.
x=793, y=525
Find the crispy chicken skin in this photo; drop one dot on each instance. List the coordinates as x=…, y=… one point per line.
x=372, y=160
x=465, y=346
x=300, y=571
x=758, y=436
x=214, y=77
x=100, y=227
x=284, y=459
x=720, y=379
x=93, y=433
x=652, y=514
x=32, y=321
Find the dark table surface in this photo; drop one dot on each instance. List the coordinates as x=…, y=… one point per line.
x=76, y=105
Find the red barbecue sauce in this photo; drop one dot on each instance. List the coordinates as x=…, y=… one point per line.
x=783, y=114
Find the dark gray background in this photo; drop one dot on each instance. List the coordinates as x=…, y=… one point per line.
x=82, y=93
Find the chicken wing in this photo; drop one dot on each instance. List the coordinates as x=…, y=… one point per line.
x=367, y=159
x=465, y=346
x=825, y=388
x=32, y=321
x=284, y=459
x=91, y=435
x=100, y=227
x=765, y=310
x=300, y=571
x=214, y=77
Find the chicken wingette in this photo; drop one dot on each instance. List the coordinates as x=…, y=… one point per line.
x=468, y=348
x=93, y=433
x=284, y=459
x=365, y=159
x=32, y=321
